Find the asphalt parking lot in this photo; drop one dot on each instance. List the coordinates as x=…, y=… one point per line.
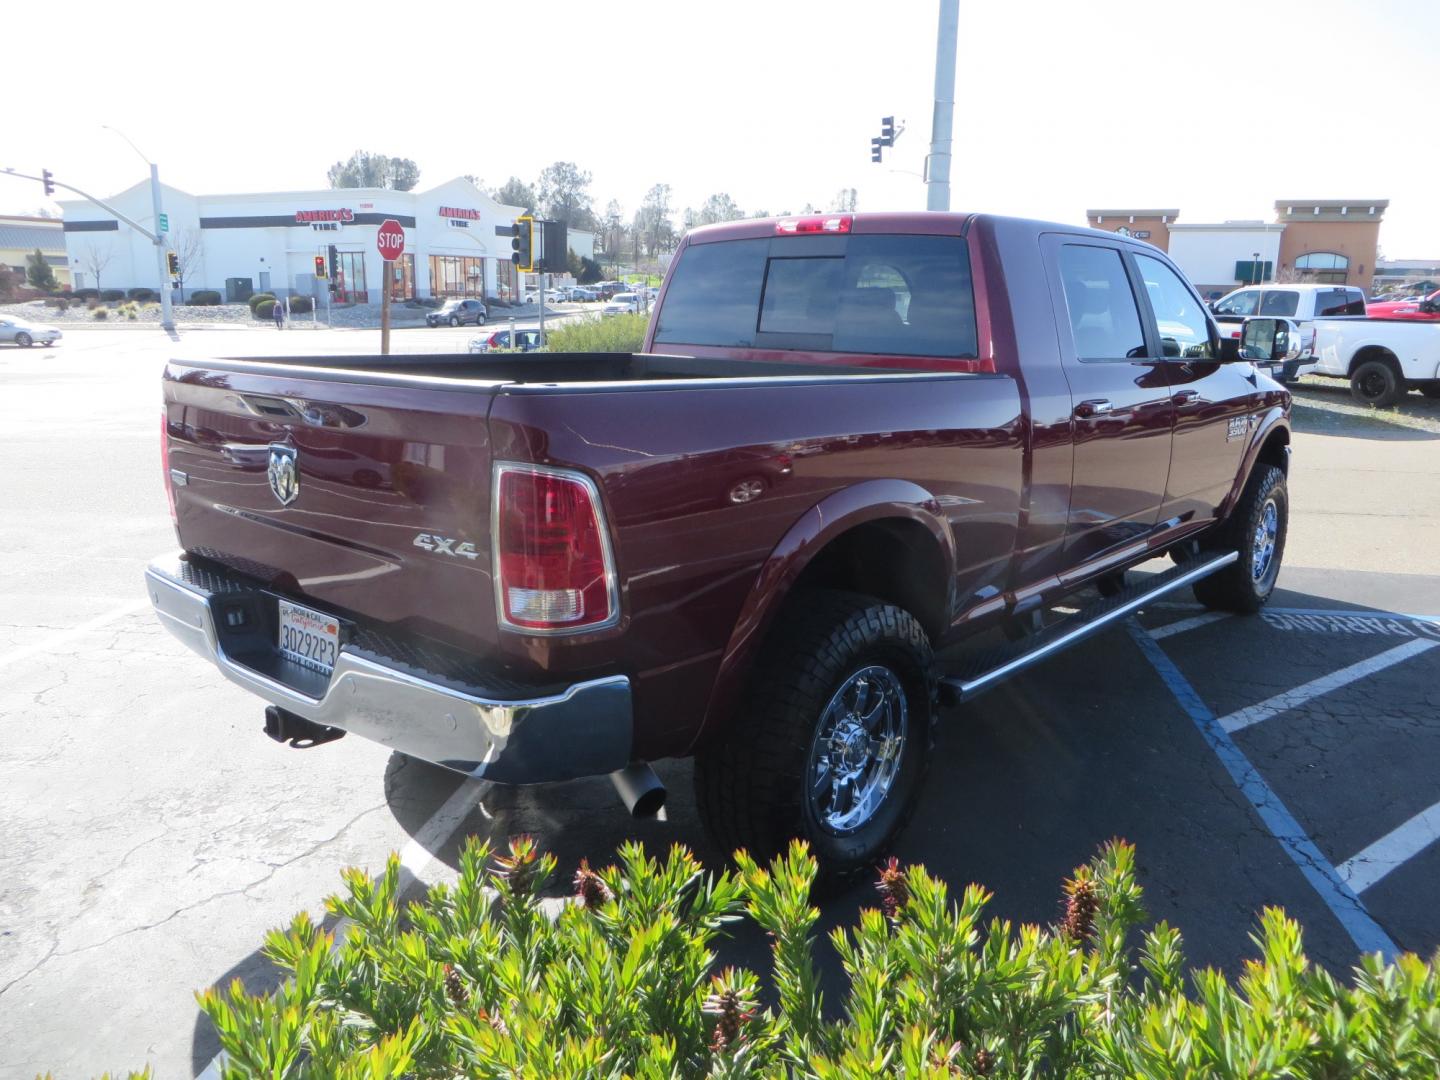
x=152, y=833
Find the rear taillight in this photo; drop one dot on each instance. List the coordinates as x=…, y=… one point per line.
x=165, y=467
x=554, y=571
x=826, y=223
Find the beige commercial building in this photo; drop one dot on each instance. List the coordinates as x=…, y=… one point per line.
x=22, y=236
x=1320, y=240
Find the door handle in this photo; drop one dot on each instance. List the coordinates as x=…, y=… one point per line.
x=1185, y=397
x=1094, y=407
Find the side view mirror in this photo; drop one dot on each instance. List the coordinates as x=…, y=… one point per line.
x=1269, y=341
x=1430, y=306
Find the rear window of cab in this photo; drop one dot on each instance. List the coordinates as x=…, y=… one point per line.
x=886, y=295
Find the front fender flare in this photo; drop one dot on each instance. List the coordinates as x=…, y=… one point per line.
x=1274, y=418
x=836, y=514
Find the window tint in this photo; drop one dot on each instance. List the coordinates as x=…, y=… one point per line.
x=1280, y=302
x=895, y=295
x=1184, y=330
x=1330, y=302
x=1103, y=315
x=1242, y=303
x=715, y=294
x=801, y=296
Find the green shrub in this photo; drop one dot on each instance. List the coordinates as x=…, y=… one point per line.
x=478, y=979
x=140, y=294
x=618, y=333
x=112, y=295
x=301, y=305
x=259, y=298
x=86, y=294
x=130, y=310
x=264, y=310
x=203, y=298
x=100, y=312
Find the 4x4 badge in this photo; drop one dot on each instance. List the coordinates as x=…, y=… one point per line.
x=284, y=473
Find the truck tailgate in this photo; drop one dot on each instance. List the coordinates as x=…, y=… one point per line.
x=388, y=518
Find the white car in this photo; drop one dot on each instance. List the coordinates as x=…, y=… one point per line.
x=1304, y=303
x=25, y=334
x=1382, y=358
x=622, y=304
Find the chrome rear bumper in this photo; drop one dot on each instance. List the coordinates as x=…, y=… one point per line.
x=506, y=735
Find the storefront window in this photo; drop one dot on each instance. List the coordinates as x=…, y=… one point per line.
x=402, y=278
x=457, y=275
x=1323, y=266
x=351, y=288
x=505, y=279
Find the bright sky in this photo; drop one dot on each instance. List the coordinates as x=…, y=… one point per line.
x=1218, y=108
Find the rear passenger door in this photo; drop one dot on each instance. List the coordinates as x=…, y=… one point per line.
x=1120, y=399
x=1213, y=402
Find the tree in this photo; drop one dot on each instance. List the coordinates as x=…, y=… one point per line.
x=565, y=195
x=515, y=192
x=38, y=272
x=473, y=179
x=653, y=227
x=369, y=170
x=718, y=207
x=845, y=200
x=186, y=246
x=7, y=282
x=94, y=260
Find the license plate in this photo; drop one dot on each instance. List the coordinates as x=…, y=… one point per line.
x=308, y=637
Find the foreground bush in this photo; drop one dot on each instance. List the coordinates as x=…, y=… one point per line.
x=259, y=298
x=618, y=333
x=301, y=305
x=265, y=309
x=203, y=298
x=480, y=980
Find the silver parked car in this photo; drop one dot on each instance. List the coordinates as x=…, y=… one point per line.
x=25, y=334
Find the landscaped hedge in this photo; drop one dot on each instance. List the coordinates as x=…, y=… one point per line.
x=265, y=309
x=203, y=298
x=259, y=298
x=142, y=295
x=617, y=333
x=301, y=305
x=112, y=295
x=86, y=294
x=478, y=979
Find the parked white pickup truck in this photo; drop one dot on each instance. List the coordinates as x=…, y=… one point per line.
x=1382, y=358
x=1301, y=302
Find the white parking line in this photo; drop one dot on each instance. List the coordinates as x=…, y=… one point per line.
x=415, y=859
x=1160, y=633
x=1254, y=714
x=62, y=637
x=1392, y=850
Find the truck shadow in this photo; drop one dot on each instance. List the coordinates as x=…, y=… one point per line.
x=1024, y=784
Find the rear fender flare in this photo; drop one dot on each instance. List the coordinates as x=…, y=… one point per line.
x=832, y=517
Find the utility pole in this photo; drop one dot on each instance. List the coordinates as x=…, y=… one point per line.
x=167, y=320
x=937, y=183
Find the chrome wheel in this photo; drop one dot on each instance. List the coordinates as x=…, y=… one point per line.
x=856, y=753
x=1262, y=548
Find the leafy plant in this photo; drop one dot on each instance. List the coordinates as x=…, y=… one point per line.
x=110, y=296
x=203, y=298
x=259, y=298
x=618, y=333
x=265, y=309
x=301, y=305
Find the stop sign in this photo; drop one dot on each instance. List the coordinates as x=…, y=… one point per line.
x=390, y=240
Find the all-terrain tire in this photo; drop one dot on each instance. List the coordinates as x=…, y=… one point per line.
x=1377, y=383
x=751, y=784
x=1258, y=521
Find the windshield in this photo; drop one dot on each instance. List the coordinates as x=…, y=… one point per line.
x=1239, y=303
x=624, y=297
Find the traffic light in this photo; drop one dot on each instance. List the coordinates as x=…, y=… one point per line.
x=522, y=247
x=333, y=257
x=875, y=145
x=320, y=267
x=172, y=261
x=48, y=179
x=887, y=131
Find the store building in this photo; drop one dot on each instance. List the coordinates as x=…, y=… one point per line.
x=267, y=242
x=1319, y=240
x=1152, y=226
x=21, y=237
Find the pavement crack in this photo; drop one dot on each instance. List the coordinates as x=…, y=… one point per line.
x=54, y=944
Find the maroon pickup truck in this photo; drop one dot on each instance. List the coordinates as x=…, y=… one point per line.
x=850, y=440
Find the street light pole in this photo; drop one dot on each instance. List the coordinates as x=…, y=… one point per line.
x=937, y=186
x=167, y=320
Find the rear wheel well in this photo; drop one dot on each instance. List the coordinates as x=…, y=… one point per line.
x=895, y=560
x=1375, y=352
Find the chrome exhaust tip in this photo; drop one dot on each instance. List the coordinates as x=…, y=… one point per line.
x=639, y=789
